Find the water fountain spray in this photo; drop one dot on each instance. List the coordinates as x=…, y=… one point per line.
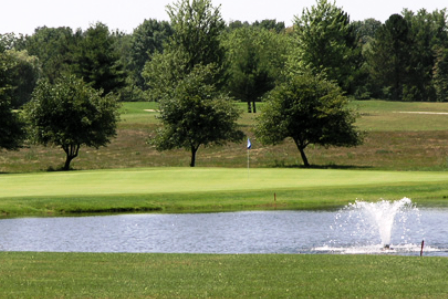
x=381, y=215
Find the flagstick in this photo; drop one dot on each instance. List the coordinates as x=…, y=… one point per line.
x=248, y=163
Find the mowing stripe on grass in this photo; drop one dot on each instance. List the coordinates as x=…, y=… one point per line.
x=181, y=180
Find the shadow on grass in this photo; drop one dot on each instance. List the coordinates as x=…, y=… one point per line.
x=328, y=166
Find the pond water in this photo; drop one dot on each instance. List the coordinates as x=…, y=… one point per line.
x=233, y=232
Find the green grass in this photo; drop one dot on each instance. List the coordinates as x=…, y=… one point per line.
x=395, y=141
x=98, y=275
x=210, y=189
x=128, y=177
x=402, y=116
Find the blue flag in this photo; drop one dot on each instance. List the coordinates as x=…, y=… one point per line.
x=249, y=145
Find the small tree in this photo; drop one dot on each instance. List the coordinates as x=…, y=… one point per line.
x=194, y=114
x=71, y=114
x=310, y=110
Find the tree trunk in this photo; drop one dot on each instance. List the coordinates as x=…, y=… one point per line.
x=254, y=107
x=249, y=107
x=301, y=146
x=68, y=160
x=71, y=152
x=304, y=158
x=194, y=150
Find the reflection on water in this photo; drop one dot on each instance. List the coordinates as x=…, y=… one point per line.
x=239, y=232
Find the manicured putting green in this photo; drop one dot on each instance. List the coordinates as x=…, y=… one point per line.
x=181, y=180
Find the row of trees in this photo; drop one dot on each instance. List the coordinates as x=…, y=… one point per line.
x=195, y=64
x=405, y=58
x=193, y=77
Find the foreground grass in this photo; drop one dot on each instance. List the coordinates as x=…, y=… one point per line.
x=210, y=189
x=98, y=275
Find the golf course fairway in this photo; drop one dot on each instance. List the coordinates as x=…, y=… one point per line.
x=211, y=189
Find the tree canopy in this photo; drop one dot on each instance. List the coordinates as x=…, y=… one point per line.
x=310, y=110
x=327, y=43
x=71, y=114
x=255, y=58
x=147, y=39
x=96, y=60
x=12, y=127
x=197, y=29
x=195, y=114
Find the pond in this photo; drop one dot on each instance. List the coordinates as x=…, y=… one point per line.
x=232, y=232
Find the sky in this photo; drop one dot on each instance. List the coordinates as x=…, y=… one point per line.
x=23, y=16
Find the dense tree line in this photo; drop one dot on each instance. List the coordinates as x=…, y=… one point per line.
x=403, y=59
x=197, y=62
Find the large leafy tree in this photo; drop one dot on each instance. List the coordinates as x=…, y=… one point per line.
x=195, y=114
x=196, y=40
x=327, y=43
x=197, y=29
x=12, y=127
x=310, y=110
x=96, y=60
x=427, y=32
x=147, y=39
x=185, y=79
x=389, y=58
x=71, y=114
x=24, y=71
x=53, y=47
x=255, y=57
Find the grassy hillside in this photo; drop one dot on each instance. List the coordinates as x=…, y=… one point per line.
x=396, y=140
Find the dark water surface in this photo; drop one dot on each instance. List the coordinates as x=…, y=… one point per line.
x=235, y=232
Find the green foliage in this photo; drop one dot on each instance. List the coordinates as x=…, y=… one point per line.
x=71, y=114
x=196, y=41
x=96, y=60
x=195, y=114
x=310, y=110
x=255, y=58
x=12, y=127
x=147, y=39
x=197, y=30
x=12, y=132
x=53, y=47
x=389, y=57
x=403, y=57
x=427, y=31
x=440, y=79
x=23, y=73
x=163, y=72
x=366, y=30
x=270, y=24
x=327, y=43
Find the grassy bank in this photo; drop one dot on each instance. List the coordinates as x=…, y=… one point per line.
x=210, y=189
x=92, y=275
x=395, y=141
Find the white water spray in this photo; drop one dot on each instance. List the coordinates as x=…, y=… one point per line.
x=372, y=227
x=381, y=215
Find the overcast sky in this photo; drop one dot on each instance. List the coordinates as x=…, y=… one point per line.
x=23, y=16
